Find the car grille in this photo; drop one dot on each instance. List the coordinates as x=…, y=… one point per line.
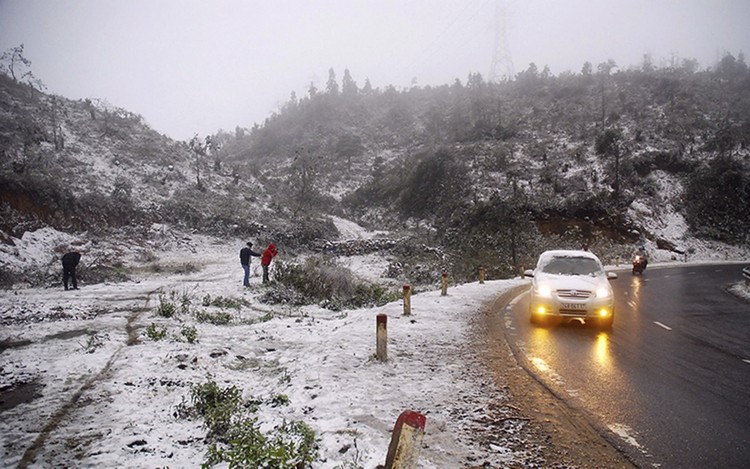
x=579, y=294
x=574, y=313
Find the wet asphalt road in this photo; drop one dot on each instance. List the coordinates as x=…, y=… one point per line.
x=670, y=383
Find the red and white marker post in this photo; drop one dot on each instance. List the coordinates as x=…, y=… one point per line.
x=406, y=441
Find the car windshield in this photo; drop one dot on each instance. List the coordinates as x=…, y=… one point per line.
x=571, y=266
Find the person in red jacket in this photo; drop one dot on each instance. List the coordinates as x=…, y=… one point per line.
x=266, y=258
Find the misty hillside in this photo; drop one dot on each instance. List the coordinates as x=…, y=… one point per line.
x=480, y=173
x=589, y=144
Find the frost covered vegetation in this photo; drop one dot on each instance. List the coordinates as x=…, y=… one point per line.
x=320, y=280
x=471, y=173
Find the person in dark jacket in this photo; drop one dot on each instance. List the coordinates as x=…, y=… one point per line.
x=245, y=254
x=265, y=260
x=69, y=263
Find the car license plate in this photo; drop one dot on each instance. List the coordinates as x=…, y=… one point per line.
x=574, y=306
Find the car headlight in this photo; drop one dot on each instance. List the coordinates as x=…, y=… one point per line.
x=602, y=292
x=544, y=291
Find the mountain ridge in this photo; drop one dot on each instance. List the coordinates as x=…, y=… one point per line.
x=490, y=173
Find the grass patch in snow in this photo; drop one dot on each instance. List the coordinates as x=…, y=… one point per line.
x=235, y=434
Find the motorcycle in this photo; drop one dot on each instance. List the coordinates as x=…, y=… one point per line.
x=639, y=264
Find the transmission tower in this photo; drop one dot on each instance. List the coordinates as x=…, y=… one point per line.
x=502, y=64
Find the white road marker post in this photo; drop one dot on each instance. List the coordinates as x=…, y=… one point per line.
x=381, y=333
x=406, y=441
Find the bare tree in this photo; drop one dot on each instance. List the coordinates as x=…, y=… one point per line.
x=608, y=144
x=303, y=179
x=604, y=69
x=200, y=149
x=55, y=111
x=14, y=64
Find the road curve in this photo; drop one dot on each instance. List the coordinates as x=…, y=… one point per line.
x=669, y=385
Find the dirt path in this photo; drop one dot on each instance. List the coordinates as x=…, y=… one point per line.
x=564, y=437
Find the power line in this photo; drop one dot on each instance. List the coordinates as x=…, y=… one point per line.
x=502, y=63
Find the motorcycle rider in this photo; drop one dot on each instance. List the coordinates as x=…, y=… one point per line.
x=640, y=253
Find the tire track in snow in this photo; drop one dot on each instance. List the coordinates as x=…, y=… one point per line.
x=29, y=456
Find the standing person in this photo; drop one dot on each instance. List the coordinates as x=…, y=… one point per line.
x=69, y=264
x=245, y=254
x=265, y=261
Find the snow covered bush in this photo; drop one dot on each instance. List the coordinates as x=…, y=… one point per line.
x=219, y=318
x=321, y=280
x=237, y=438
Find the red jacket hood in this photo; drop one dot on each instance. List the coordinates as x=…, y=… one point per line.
x=269, y=254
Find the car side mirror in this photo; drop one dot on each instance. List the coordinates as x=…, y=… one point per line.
x=528, y=273
x=611, y=276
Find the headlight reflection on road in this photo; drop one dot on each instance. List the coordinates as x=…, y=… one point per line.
x=601, y=351
x=635, y=290
x=540, y=343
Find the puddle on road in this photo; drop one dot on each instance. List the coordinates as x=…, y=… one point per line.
x=9, y=344
x=6, y=344
x=19, y=394
x=66, y=335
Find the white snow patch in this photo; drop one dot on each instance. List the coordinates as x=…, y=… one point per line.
x=626, y=433
x=35, y=249
x=349, y=230
x=741, y=289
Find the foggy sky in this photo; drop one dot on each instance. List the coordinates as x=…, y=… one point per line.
x=194, y=67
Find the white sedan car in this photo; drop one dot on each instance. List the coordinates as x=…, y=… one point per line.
x=571, y=285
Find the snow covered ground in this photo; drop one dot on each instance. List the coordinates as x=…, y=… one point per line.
x=83, y=385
